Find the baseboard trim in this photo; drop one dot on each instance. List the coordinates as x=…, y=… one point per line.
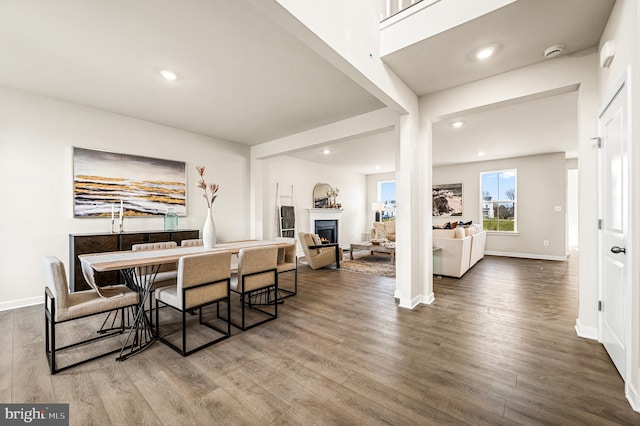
x=428, y=299
x=526, y=255
x=410, y=303
x=21, y=303
x=586, y=332
x=632, y=396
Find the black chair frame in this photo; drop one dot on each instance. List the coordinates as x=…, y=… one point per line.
x=245, y=299
x=225, y=333
x=50, y=332
x=284, y=293
x=336, y=246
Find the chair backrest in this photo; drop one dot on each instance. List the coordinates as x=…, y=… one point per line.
x=159, y=246
x=287, y=254
x=254, y=260
x=192, y=243
x=56, y=280
x=306, y=240
x=203, y=268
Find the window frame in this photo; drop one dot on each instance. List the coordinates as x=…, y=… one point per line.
x=380, y=183
x=514, y=171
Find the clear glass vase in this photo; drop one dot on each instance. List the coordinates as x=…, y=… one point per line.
x=170, y=220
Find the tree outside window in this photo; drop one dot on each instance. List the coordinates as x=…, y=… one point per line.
x=499, y=200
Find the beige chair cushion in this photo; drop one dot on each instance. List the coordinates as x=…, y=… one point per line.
x=81, y=303
x=252, y=260
x=309, y=240
x=192, y=243
x=287, y=258
x=159, y=246
x=194, y=270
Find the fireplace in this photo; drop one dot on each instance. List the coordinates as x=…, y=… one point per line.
x=325, y=223
x=327, y=230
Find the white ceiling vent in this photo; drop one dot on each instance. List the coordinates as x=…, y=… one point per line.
x=553, y=51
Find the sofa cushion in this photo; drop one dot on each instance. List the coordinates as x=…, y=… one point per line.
x=470, y=230
x=459, y=232
x=443, y=233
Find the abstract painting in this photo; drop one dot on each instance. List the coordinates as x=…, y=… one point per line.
x=103, y=181
x=447, y=199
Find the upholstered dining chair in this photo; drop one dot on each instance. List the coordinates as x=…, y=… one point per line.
x=167, y=274
x=198, y=242
x=203, y=280
x=62, y=306
x=192, y=243
x=318, y=255
x=257, y=274
x=288, y=262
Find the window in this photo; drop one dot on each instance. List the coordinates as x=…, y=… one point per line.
x=387, y=195
x=498, y=190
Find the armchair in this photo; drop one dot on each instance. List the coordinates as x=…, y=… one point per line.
x=319, y=255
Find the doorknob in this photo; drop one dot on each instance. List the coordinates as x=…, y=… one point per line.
x=616, y=250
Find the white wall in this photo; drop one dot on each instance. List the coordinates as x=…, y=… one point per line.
x=37, y=135
x=623, y=27
x=540, y=187
x=304, y=175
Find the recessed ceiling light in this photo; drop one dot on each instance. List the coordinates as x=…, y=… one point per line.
x=485, y=52
x=326, y=151
x=457, y=124
x=480, y=153
x=168, y=75
x=377, y=166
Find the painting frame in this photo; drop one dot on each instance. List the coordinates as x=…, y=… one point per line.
x=105, y=182
x=447, y=200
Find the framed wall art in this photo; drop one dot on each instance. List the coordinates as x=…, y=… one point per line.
x=143, y=186
x=447, y=199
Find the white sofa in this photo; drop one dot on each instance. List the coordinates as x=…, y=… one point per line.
x=478, y=242
x=461, y=248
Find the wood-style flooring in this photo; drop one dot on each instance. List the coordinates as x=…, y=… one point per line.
x=497, y=346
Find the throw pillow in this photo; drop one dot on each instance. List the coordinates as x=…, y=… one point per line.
x=470, y=230
x=447, y=225
x=459, y=232
x=454, y=225
x=316, y=242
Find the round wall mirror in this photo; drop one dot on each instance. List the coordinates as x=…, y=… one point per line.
x=321, y=195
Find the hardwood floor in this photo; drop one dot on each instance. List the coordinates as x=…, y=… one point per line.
x=496, y=347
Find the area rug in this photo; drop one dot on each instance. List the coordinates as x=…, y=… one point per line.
x=366, y=263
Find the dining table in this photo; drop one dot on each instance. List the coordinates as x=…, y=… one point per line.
x=140, y=269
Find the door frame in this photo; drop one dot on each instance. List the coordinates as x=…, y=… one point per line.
x=622, y=84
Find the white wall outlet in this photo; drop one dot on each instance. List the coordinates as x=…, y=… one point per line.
x=545, y=242
x=558, y=208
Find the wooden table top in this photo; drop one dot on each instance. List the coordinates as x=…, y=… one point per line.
x=117, y=260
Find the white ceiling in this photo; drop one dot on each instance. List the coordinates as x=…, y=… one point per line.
x=537, y=126
x=243, y=78
x=522, y=31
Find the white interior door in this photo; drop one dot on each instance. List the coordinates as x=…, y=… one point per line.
x=614, y=163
